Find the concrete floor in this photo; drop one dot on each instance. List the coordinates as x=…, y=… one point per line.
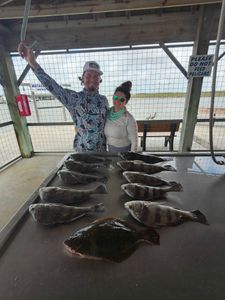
x=20, y=180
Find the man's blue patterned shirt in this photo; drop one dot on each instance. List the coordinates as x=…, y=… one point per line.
x=87, y=109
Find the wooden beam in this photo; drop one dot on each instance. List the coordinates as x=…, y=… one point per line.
x=7, y=72
x=201, y=45
x=136, y=30
x=95, y=6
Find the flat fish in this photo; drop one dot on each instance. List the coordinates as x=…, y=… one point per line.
x=71, y=178
x=69, y=196
x=139, y=177
x=145, y=192
x=51, y=214
x=109, y=239
x=89, y=158
x=156, y=215
x=139, y=166
x=82, y=167
x=151, y=159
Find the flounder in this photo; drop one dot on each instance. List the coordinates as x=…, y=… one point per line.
x=145, y=192
x=109, y=239
x=139, y=177
x=51, y=214
x=69, y=196
x=154, y=214
x=151, y=159
x=139, y=166
x=70, y=177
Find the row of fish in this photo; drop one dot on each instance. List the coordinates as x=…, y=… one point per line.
x=56, y=203
x=146, y=188
x=113, y=239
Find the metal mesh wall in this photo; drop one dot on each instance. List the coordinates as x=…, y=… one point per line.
x=201, y=134
x=158, y=92
x=9, y=149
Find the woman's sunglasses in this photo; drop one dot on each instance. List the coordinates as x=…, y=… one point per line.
x=115, y=98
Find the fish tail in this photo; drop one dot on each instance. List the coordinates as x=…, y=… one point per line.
x=150, y=235
x=169, y=168
x=199, y=217
x=101, y=189
x=99, y=207
x=176, y=187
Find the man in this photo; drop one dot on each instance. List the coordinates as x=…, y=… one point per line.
x=87, y=108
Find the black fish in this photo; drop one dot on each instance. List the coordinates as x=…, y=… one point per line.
x=151, y=159
x=69, y=177
x=109, y=239
x=51, y=213
x=69, y=196
x=154, y=214
x=81, y=166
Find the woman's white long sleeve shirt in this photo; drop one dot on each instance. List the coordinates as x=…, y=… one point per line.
x=122, y=132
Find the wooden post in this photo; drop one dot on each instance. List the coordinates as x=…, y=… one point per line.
x=201, y=45
x=7, y=73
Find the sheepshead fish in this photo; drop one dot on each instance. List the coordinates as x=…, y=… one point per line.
x=109, y=239
x=145, y=192
x=151, y=159
x=139, y=166
x=70, y=177
x=89, y=158
x=69, y=196
x=144, y=178
x=51, y=214
x=154, y=214
x=82, y=167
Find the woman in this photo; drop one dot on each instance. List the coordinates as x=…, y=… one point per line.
x=121, y=127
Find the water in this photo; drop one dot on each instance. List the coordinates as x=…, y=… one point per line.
x=140, y=108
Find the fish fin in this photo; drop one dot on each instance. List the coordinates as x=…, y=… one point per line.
x=101, y=189
x=99, y=207
x=104, y=179
x=176, y=187
x=150, y=235
x=169, y=168
x=199, y=217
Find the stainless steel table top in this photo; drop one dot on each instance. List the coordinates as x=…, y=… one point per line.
x=188, y=264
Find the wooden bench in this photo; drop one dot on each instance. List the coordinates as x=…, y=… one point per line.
x=168, y=127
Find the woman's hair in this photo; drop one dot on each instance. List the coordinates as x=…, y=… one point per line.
x=125, y=88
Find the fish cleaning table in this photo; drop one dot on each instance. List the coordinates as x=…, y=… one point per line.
x=188, y=264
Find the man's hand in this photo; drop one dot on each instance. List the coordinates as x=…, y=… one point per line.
x=28, y=54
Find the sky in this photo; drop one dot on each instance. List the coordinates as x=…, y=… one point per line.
x=150, y=70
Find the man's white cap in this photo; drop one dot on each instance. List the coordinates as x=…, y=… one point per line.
x=92, y=66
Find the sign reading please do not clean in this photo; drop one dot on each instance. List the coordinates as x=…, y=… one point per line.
x=200, y=65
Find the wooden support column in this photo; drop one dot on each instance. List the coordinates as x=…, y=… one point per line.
x=7, y=73
x=201, y=45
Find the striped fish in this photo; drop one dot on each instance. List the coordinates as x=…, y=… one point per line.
x=151, y=159
x=69, y=177
x=89, y=158
x=139, y=166
x=51, y=194
x=51, y=214
x=145, y=192
x=156, y=215
x=81, y=166
x=144, y=178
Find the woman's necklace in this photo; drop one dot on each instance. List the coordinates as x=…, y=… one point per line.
x=115, y=115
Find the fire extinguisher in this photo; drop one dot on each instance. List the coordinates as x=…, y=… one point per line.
x=23, y=105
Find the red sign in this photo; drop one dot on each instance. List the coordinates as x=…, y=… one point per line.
x=23, y=105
